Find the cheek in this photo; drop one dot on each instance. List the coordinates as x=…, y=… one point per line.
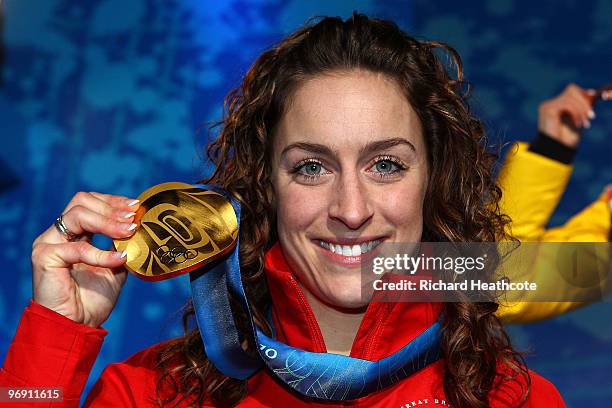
x=403, y=208
x=297, y=209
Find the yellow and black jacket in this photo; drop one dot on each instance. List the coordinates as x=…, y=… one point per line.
x=533, y=179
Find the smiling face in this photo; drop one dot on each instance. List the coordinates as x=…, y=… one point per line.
x=349, y=171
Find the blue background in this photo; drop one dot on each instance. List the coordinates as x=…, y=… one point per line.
x=109, y=95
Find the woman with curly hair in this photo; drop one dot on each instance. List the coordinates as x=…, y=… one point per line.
x=344, y=136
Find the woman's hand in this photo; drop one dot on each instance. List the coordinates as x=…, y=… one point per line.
x=563, y=116
x=74, y=278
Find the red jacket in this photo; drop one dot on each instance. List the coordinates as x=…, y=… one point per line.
x=49, y=349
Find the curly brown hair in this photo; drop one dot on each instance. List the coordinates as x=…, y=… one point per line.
x=462, y=196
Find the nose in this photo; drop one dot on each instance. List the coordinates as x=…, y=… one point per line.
x=351, y=204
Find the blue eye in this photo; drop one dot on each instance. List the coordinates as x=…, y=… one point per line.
x=311, y=168
x=386, y=166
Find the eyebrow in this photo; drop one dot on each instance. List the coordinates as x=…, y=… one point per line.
x=386, y=144
x=378, y=145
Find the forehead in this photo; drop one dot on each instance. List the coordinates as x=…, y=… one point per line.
x=343, y=106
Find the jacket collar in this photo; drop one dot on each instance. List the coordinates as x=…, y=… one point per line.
x=386, y=326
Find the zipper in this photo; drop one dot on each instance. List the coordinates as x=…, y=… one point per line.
x=310, y=319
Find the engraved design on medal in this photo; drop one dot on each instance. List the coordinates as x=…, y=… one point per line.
x=178, y=254
x=181, y=228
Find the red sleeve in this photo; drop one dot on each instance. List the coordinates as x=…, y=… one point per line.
x=542, y=393
x=51, y=350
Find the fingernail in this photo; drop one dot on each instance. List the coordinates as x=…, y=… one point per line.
x=120, y=255
x=126, y=214
x=132, y=202
x=587, y=124
x=128, y=227
x=591, y=92
x=591, y=114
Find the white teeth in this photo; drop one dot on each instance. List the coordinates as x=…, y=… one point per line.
x=350, y=250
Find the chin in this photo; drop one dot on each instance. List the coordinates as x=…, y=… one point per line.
x=345, y=297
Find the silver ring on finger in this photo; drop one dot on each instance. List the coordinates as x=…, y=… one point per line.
x=63, y=229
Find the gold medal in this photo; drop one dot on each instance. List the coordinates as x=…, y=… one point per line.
x=180, y=228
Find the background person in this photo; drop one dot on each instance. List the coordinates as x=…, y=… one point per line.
x=533, y=179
